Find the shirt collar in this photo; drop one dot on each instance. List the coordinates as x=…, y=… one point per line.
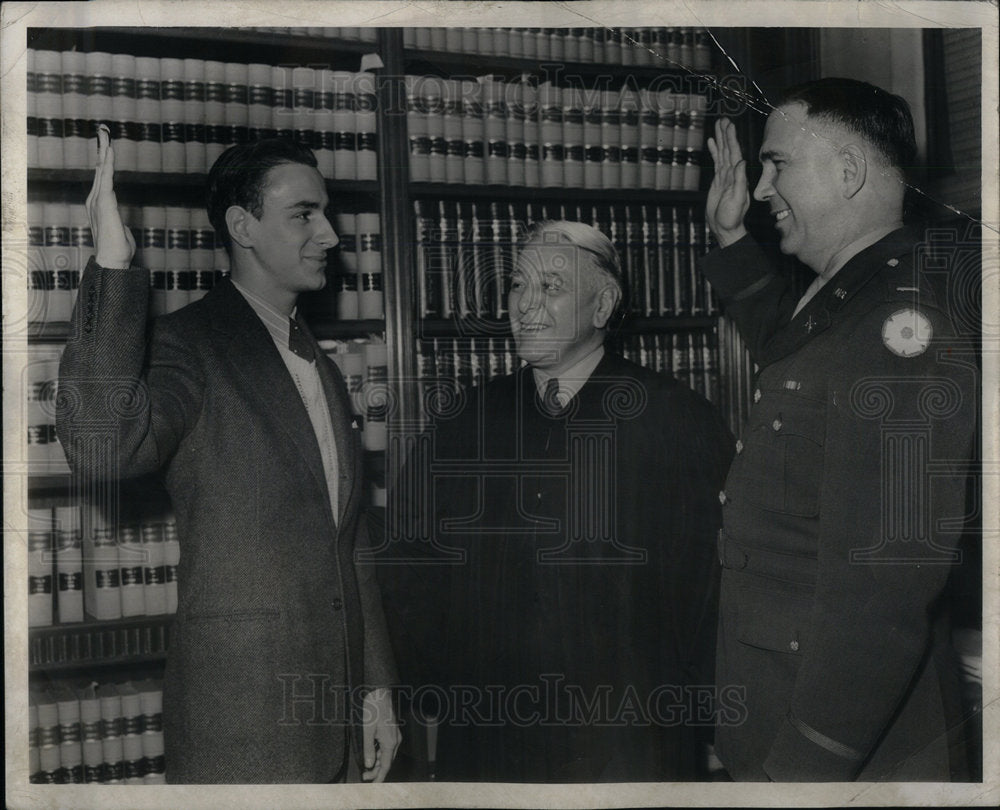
x=572, y=379
x=276, y=323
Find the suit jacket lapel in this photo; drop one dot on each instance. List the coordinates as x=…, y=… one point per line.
x=252, y=353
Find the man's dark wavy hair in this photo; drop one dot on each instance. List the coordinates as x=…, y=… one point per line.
x=881, y=118
x=238, y=178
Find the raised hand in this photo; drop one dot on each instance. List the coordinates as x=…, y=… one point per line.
x=728, y=198
x=114, y=246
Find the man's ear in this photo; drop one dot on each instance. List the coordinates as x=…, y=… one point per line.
x=240, y=223
x=607, y=300
x=854, y=165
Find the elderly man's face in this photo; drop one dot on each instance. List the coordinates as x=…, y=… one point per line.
x=553, y=305
x=799, y=182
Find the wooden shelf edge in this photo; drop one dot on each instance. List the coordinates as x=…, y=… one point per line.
x=420, y=190
x=91, y=625
x=186, y=180
x=489, y=328
x=557, y=69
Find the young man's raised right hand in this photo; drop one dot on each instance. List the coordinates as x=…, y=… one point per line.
x=114, y=246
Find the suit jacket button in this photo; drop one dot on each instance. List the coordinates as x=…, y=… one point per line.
x=337, y=603
x=757, y=395
x=739, y=447
x=776, y=424
x=794, y=646
x=722, y=497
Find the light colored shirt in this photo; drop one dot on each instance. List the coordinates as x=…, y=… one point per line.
x=305, y=375
x=572, y=379
x=840, y=258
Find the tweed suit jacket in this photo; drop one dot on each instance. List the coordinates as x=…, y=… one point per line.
x=277, y=629
x=842, y=511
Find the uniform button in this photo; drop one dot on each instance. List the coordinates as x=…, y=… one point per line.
x=756, y=395
x=337, y=603
x=538, y=495
x=722, y=497
x=794, y=646
x=776, y=424
x=739, y=447
x=892, y=262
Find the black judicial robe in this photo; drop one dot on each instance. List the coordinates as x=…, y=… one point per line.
x=575, y=638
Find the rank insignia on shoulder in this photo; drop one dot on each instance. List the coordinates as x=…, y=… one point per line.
x=907, y=332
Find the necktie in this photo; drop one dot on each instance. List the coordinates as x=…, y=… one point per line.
x=549, y=399
x=298, y=343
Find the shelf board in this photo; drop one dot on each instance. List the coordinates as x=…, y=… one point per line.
x=50, y=184
x=493, y=328
x=558, y=71
x=180, y=42
x=480, y=193
x=322, y=329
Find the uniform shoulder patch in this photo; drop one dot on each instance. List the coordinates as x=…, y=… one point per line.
x=907, y=332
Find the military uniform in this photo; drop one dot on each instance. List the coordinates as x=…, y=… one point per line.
x=841, y=513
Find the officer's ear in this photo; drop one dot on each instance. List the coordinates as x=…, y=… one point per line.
x=241, y=225
x=854, y=168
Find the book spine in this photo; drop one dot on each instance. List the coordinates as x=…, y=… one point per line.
x=70, y=745
x=154, y=576
x=131, y=562
x=40, y=568
x=473, y=134
x=69, y=563
x=101, y=576
x=131, y=738
x=365, y=121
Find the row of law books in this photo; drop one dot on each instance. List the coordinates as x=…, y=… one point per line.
x=179, y=115
x=466, y=252
x=447, y=365
x=86, y=564
x=516, y=133
x=676, y=47
x=691, y=357
x=96, y=733
x=184, y=258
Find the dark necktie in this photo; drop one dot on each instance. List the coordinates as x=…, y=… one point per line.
x=298, y=343
x=549, y=399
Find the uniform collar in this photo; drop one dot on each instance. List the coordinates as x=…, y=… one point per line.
x=817, y=314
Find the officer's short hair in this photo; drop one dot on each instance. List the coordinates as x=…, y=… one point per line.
x=605, y=259
x=238, y=178
x=881, y=118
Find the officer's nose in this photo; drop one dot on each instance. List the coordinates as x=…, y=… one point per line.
x=764, y=189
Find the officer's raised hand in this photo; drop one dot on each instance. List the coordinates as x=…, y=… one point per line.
x=113, y=242
x=728, y=198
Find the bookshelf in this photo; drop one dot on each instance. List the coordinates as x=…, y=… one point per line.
x=520, y=174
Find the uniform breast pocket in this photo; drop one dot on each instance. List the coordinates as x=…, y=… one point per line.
x=782, y=462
